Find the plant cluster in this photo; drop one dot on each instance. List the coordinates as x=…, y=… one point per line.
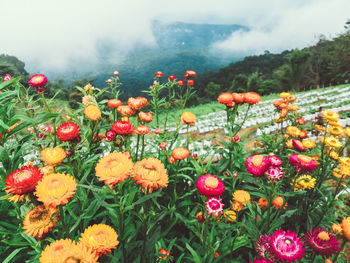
x=98, y=184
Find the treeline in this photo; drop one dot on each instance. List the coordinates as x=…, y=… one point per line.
x=324, y=64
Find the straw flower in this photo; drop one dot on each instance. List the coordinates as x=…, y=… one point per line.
x=188, y=118
x=53, y=156
x=92, y=112
x=56, y=189
x=330, y=115
x=210, y=185
x=40, y=220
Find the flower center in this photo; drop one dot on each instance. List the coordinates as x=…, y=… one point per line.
x=72, y=259
x=288, y=241
x=23, y=174
x=37, y=79
x=38, y=216
x=214, y=205
x=211, y=182
x=257, y=160
x=323, y=236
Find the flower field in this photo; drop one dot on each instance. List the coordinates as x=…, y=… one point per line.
x=121, y=181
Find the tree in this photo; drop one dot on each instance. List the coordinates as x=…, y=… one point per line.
x=212, y=90
x=239, y=84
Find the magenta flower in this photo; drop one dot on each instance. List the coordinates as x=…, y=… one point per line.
x=263, y=247
x=274, y=173
x=260, y=261
x=257, y=164
x=287, y=246
x=302, y=163
x=38, y=80
x=214, y=206
x=322, y=242
x=210, y=185
x=275, y=161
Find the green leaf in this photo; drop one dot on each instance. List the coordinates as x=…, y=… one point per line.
x=195, y=255
x=12, y=255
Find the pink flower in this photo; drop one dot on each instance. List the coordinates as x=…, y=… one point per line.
x=322, y=242
x=260, y=261
x=210, y=185
x=214, y=206
x=257, y=164
x=287, y=246
x=263, y=246
x=302, y=163
x=37, y=80
x=163, y=145
x=275, y=161
x=6, y=77
x=157, y=131
x=274, y=173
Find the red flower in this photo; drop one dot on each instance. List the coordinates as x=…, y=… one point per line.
x=180, y=82
x=171, y=78
x=114, y=103
x=23, y=180
x=190, y=74
x=163, y=252
x=303, y=134
x=298, y=145
x=301, y=121
x=68, y=131
x=159, y=74
x=110, y=135
x=122, y=127
x=6, y=77
x=322, y=242
x=210, y=185
x=190, y=82
x=163, y=145
x=225, y=98
x=302, y=163
x=252, y=97
x=37, y=80
x=236, y=138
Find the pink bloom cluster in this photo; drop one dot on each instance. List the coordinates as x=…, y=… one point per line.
x=258, y=165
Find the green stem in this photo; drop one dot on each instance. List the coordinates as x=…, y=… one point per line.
x=143, y=146
x=137, y=147
x=54, y=121
x=144, y=243
x=65, y=226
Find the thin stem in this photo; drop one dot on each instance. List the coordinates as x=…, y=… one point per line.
x=137, y=147
x=54, y=121
x=65, y=226
x=143, y=146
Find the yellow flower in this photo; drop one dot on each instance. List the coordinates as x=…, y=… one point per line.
x=47, y=170
x=332, y=142
x=337, y=229
x=66, y=251
x=279, y=120
x=113, y=168
x=56, y=189
x=347, y=131
x=39, y=221
x=53, y=156
x=334, y=155
x=308, y=144
x=289, y=144
x=335, y=130
x=334, y=123
x=344, y=161
x=330, y=115
x=284, y=95
x=293, y=107
x=230, y=216
x=293, y=131
x=17, y=198
x=342, y=172
x=188, y=118
x=304, y=182
x=92, y=112
x=150, y=173
x=87, y=100
x=241, y=196
x=100, y=238
x=320, y=128
x=346, y=227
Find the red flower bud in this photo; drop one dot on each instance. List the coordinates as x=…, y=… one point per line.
x=171, y=77
x=159, y=74
x=190, y=82
x=180, y=82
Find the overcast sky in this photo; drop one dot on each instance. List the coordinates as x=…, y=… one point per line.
x=46, y=34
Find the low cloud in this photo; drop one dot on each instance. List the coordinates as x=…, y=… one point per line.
x=291, y=28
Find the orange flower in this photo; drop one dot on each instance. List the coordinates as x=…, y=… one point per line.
x=241, y=196
x=346, y=227
x=252, y=98
x=293, y=107
x=125, y=110
x=13, y=126
x=137, y=103
x=283, y=113
x=225, y=98
x=188, y=118
x=238, y=98
x=237, y=206
x=142, y=130
x=113, y=168
x=40, y=220
x=164, y=252
x=56, y=189
x=278, y=202
x=114, y=103
x=100, y=238
x=92, y=112
x=277, y=103
x=337, y=229
x=53, y=156
x=180, y=153
x=145, y=117
x=172, y=160
x=150, y=173
x=230, y=216
x=291, y=98
x=263, y=203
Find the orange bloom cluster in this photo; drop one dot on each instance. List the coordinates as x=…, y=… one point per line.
x=231, y=99
x=284, y=105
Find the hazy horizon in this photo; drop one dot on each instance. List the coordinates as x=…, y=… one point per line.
x=56, y=35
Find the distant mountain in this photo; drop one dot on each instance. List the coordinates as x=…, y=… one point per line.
x=180, y=46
